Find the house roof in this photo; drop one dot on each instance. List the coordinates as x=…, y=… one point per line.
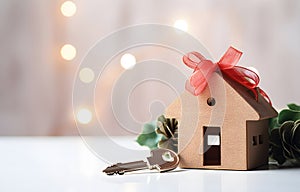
x=261, y=105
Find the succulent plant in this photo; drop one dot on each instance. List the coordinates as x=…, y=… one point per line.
x=162, y=133
x=285, y=142
x=168, y=127
x=285, y=135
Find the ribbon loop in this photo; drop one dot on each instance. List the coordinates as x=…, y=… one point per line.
x=193, y=59
x=230, y=58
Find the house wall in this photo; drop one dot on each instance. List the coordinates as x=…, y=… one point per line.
x=230, y=113
x=257, y=143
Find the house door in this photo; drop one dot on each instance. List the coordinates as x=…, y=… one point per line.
x=212, y=146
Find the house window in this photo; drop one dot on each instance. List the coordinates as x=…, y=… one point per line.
x=254, y=140
x=260, y=139
x=257, y=140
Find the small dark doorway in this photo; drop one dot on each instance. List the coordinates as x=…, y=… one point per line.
x=212, y=145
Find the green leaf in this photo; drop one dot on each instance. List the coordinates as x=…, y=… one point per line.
x=161, y=118
x=149, y=128
x=293, y=107
x=273, y=124
x=296, y=136
x=286, y=137
x=149, y=137
x=288, y=115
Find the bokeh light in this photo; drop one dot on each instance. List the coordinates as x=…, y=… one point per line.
x=68, y=52
x=86, y=75
x=68, y=8
x=128, y=61
x=181, y=24
x=84, y=116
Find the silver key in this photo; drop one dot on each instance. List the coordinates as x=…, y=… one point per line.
x=161, y=159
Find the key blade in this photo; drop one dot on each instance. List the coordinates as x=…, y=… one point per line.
x=163, y=160
x=121, y=168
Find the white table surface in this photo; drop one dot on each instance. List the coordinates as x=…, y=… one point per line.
x=66, y=164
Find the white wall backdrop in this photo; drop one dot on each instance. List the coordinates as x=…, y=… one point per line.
x=36, y=83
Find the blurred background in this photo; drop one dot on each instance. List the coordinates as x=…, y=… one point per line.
x=42, y=43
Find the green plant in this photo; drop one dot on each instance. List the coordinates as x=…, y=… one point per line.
x=285, y=135
x=169, y=128
x=149, y=137
x=162, y=133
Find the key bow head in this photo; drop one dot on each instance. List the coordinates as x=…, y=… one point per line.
x=163, y=160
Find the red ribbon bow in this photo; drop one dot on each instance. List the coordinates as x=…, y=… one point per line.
x=203, y=69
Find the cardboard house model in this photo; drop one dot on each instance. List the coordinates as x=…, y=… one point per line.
x=225, y=127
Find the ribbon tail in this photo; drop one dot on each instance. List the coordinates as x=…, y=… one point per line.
x=189, y=87
x=264, y=94
x=195, y=90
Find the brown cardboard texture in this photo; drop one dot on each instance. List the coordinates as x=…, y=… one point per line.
x=225, y=127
